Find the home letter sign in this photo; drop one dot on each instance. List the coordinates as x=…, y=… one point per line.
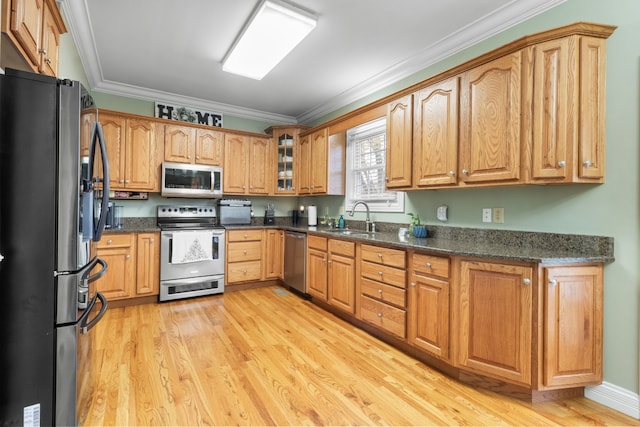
x=187, y=114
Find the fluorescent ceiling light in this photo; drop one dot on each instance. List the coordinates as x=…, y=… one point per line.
x=271, y=33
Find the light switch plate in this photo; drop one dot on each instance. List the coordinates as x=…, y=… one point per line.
x=441, y=213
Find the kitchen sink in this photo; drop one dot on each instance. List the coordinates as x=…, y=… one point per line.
x=352, y=233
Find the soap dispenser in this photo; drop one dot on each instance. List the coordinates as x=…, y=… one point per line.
x=341, y=222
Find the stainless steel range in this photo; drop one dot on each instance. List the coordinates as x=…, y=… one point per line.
x=191, y=252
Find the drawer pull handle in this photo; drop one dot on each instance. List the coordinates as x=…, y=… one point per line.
x=379, y=314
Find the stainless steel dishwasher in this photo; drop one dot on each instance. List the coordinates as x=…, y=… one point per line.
x=295, y=260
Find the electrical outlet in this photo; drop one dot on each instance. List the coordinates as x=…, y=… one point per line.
x=441, y=213
x=498, y=215
x=486, y=214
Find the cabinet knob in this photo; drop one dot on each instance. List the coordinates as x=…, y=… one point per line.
x=380, y=273
x=244, y=187
x=127, y=257
x=526, y=281
x=587, y=163
x=109, y=242
x=465, y=171
x=150, y=240
x=245, y=236
x=428, y=265
x=121, y=181
x=386, y=178
x=413, y=284
x=324, y=260
x=553, y=282
x=379, y=255
x=380, y=291
x=452, y=173
x=126, y=181
x=562, y=164
x=47, y=60
x=43, y=51
x=379, y=314
x=245, y=252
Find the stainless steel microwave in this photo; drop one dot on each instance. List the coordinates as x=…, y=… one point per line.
x=193, y=181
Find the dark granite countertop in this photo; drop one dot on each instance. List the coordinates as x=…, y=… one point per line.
x=511, y=245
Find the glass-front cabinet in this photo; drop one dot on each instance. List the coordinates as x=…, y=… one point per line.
x=286, y=158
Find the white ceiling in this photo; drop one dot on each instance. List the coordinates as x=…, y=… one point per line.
x=171, y=51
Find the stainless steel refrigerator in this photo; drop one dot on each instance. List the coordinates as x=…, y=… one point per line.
x=49, y=219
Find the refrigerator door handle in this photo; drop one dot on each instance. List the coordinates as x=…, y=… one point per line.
x=86, y=326
x=97, y=138
x=100, y=273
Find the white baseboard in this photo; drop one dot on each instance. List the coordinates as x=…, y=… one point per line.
x=615, y=398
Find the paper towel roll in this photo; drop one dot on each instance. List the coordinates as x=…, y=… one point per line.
x=313, y=215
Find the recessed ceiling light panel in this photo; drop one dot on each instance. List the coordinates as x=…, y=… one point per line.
x=274, y=29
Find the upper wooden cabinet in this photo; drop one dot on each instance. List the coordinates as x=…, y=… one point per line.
x=435, y=139
x=490, y=107
x=322, y=158
x=34, y=28
x=246, y=164
x=286, y=157
x=131, y=149
x=184, y=144
x=399, y=142
x=568, y=135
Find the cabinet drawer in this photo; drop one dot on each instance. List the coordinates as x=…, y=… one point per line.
x=384, y=316
x=116, y=240
x=244, y=251
x=244, y=235
x=431, y=265
x=383, y=292
x=342, y=247
x=243, y=271
x=382, y=273
x=386, y=256
x=317, y=242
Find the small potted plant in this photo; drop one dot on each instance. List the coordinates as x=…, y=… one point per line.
x=416, y=229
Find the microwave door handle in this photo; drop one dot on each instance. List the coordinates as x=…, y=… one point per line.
x=102, y=221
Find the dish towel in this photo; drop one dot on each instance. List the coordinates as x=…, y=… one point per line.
x=191, y=246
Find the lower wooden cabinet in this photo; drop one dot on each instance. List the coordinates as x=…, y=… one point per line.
x=273, y=253
x=495, y=319
x=429, y=304
x=133, y=265
x=572, y=321
x=244, y=255
x=317, y=267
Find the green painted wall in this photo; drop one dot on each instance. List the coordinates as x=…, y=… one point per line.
x=611, y=209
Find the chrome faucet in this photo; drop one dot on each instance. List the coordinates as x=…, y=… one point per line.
x=367, y=222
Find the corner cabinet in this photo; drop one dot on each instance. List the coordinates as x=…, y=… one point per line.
x=34, y=28
x=285, y=140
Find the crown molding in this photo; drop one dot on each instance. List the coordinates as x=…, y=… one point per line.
x=510, y=15
x=515, y=12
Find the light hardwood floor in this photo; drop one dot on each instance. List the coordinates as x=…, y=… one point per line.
x=267, y=357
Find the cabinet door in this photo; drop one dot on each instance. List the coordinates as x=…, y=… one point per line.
x=273, y=252
x=236, y=152
x=209, y=145
x=495, y=320
x=435, y=140
x=304, y=171
x=26, y=26
x=572, y=326
x=318, y=161
x=554, y=94
x=50, y=51
x=428, y=310
x=141, y=172
x=113, y=127
x=259, y=166
x=179, y=143
x=490, y=121
x=591, y=156
x=399, y=142
x=119, y=253
x=148, y=264
x=317, y=273
x=286, y=158
x=341, y=280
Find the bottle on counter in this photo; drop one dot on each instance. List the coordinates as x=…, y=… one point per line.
x=341, y=222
